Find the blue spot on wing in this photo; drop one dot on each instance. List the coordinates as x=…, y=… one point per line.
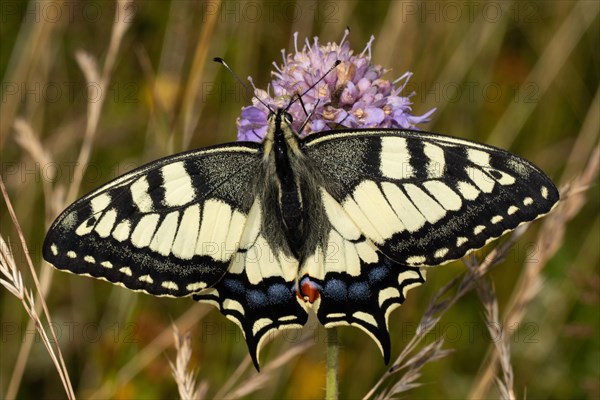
x=336, y=289
x=359, y=291
x=256, y=299
x=234, y=285
x=378, y=274
x=279, y=293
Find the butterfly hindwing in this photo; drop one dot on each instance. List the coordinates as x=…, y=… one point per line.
x=367, y=300
x=259, y=291
x=167, y=228
x=357, y=285
x=425, y=199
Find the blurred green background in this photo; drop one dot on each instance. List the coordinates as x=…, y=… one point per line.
x=519, y=75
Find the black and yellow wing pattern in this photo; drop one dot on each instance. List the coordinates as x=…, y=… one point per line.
x=341, y=223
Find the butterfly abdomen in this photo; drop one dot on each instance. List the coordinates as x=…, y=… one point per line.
x=288, y=186
x=289, y=197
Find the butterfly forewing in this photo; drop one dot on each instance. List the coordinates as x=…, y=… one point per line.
x=167, y=228
x=424, y=199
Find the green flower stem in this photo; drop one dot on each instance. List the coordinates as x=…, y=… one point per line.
x=331, y=375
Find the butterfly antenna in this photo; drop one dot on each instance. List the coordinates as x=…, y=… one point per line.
x=298, y=97
x=341, y=122
x=307, y=114
x=244, y=85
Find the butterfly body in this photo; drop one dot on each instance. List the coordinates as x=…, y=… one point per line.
x=289, y=194
x=341, y=223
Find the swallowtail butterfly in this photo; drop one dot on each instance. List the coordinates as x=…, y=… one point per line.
x=342, y=222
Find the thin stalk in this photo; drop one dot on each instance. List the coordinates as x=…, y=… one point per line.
x=331, y=374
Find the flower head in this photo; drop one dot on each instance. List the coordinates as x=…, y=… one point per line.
x=354, y=95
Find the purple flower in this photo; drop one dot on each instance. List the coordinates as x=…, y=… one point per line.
x=353, y=95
